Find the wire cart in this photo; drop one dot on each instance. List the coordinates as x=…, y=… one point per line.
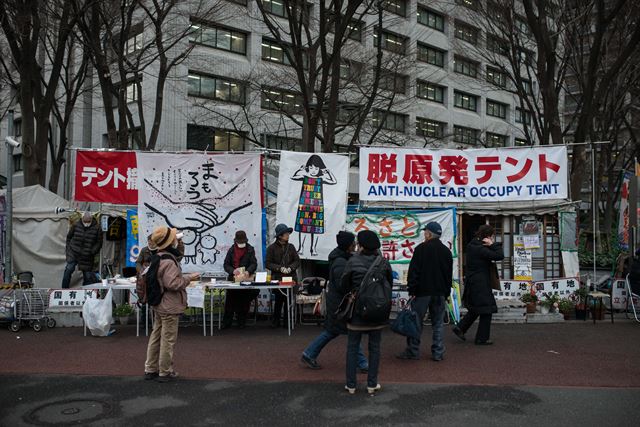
x=30, y=308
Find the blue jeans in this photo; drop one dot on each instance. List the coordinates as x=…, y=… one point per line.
x=353, y=344
x=436, y=306
x=316, y=346
x=88, y=277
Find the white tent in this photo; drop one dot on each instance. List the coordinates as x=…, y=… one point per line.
x=39, y=234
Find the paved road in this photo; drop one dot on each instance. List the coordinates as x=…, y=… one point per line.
x=130, y=401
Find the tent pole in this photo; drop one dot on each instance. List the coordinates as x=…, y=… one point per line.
x=594, y=208
x=8, y=274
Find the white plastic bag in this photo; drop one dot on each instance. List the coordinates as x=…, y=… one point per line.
x=97, y=314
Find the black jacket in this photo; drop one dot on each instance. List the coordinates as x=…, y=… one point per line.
x=478, y=295
x=430, y=270
x=337, y=262
x=354, y=273
x=248, y=261
x=279, y=255
x=634, y=275
x=83, y=244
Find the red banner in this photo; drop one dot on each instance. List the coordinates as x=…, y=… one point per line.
x=106, y=177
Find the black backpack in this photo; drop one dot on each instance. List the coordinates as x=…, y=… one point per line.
x=154, y=290
x=373, y=303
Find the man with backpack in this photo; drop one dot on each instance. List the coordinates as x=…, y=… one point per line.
x=429, y=284
x=367, y=275
x=166, y=294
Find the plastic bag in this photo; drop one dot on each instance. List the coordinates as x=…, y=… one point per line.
x=97, y=314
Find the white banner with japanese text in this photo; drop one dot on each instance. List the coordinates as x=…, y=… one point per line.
x=474, y=175
x=312, y=199
x=401, y=231
x=207, y=196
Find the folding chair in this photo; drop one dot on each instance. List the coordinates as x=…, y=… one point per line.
x=305, y=298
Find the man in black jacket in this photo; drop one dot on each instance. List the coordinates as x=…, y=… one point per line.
x=429, y=283
x=332, y=327
x=84, y=241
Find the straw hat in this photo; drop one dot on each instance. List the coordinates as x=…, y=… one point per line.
x=162, y=237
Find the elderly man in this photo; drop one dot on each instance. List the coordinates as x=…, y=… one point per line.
x=84, y=241
x=429, y=283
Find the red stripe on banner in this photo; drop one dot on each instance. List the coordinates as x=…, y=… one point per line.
x=106, y=177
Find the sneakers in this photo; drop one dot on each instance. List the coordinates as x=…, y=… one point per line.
x=167, y=378
x=311, y=363
x=459, y=333
x=150, y=375
x=373, y=390
x=437, y=359
x=350, y=390
x=406, y=356
x=487, y=342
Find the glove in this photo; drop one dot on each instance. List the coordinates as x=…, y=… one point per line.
x=283, y=270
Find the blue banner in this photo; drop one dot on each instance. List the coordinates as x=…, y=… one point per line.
x=133, y=247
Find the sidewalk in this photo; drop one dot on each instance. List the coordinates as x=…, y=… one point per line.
x=577, y=354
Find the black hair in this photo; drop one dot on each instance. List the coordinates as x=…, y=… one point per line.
x=366, y=251
x=485, y=230
x=316, y=161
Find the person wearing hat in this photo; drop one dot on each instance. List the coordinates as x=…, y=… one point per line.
x=429, y=285
x=84, y=241
x=144, y=257
x=332, y=327
x=159, y=363
x=282, y=260
x=240, y=263
x=354, y=273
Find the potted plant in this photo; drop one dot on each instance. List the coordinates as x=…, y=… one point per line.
x=580, y=299
x=122, y=312
x=549, y=303
x=530, y=299
x=566, y=307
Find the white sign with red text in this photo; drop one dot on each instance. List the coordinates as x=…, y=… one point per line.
x=475, y=175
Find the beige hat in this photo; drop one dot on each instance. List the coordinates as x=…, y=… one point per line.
x=162, y=237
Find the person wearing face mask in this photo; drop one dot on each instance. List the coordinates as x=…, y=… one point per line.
x=84, y=241
x=282, y=260
x=159, y=363
x=240, y=263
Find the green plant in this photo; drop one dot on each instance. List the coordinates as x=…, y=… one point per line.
x=550, y=300
x=580, y=295
x=565, y=305
x=528, y=298
x=123, y=310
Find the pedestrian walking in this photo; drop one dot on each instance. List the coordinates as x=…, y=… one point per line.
x=172, y=284
x=477, y=297
x=84, y=241
x=429, y=284
x=368, y=273
x=333, y=327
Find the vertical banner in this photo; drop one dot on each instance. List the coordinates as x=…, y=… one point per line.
x=522, y=260
x=623, y=216
x=133, y=247
x=208, y=197
x=312, y=199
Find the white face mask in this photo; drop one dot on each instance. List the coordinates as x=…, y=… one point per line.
x=174, y=245
x=86, y=224
x=242, y=245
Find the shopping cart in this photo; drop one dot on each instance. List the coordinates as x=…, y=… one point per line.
x=30, y=308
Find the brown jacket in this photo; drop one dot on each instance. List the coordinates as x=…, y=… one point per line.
x=173, y=283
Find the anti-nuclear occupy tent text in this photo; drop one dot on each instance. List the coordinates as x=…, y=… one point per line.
x=476, y=175
x=312, y=199
x=401, y=231
x=208, y=197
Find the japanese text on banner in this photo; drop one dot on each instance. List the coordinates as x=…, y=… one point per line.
x=106, y=177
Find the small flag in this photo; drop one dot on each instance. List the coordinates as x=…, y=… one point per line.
x=637, y=168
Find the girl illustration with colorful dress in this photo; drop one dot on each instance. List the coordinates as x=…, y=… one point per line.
x=310, y=218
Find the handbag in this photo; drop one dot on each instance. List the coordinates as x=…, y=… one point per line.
x=345, y=309
x=407, y=323
x=320, y=307
x=494, y=278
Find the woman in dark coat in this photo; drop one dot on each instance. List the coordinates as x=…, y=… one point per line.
x=332, y=327
x=482, y=251
x=238, y=301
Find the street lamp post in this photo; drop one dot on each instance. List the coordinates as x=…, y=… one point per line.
x=11, y=144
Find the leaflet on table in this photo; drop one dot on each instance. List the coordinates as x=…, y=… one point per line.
x=261, y=277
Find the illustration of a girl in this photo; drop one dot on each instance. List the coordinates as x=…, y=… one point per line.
x=310, y=218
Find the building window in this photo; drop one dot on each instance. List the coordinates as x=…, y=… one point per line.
x=219, y=38
x=350, y=70
x=526, y=85
x=523, y=116
x=17, y=163
x=496, y=109
x=242, y=2
x=496, y=140
x=431, y=55
x=430, y=91
x=464, y=135
x=430, y=18
x=274, y=7
x=522, y=26
x=390, y=121
x=397, y=7
x=519, y=142
x=465, y=101
x=526, y=56
x=133, y=44
x=390, y=41
x=281, y=100
x=430, y=128
x=354, y=28
x=497, y=45
x=207, y=138
x=277, y=142
x=471, y=4
x=217, y=88
x=496, y=77
x=272, y=51
x=132, y=92
x=466, y=32
x=17, y=128
x=465, y=66
x=393, y=82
